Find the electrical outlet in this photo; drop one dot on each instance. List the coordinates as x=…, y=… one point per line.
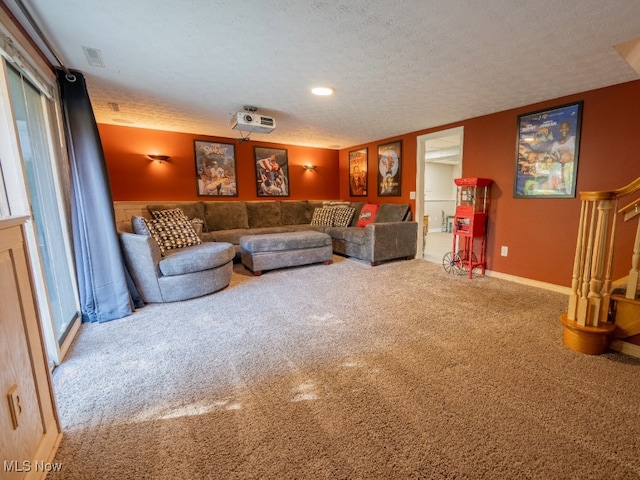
x=504, y=251
x=14, y=405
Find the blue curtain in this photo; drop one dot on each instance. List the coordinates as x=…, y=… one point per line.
x=102, y=278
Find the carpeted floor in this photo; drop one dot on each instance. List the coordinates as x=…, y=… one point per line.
x=347, y=372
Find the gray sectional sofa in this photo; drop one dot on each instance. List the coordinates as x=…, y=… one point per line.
x=391, y=236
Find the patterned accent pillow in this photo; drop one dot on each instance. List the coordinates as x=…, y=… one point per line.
x=171, y=233
x=171, y=213
x=367, y=214
x=343, y=216
x=323, y=216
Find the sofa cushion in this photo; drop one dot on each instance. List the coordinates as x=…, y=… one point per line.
x=229, y=236
x=139, y=226
x=173, y=233
x=312, y=205
x=225, y=215
x=323, y=216
x=356, y=216
x=343, y=216
x=284, y=241
x=306, y=227
x=233, y=236
x=264, y=214
x=367, y=214
x=348, y=234
x=198, y=226
x=335, y=203
x=197, y=258
x=260, y=231
x=295, y=212
x=391, y=212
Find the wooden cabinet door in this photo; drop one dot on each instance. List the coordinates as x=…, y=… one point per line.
x=29, y=429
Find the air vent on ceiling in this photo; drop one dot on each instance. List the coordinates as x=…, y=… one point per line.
x=94, y=56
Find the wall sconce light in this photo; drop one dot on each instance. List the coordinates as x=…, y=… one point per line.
x=158, y=158
x=309, y=166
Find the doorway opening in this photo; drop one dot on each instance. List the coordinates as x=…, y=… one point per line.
x=439, y=162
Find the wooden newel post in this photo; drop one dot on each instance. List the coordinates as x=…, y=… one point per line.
x=585, y=324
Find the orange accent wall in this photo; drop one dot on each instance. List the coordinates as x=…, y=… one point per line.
x=134, y=177
x=407, y=170
x=540, y=233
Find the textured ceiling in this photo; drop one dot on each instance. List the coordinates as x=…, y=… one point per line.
x=397, y=66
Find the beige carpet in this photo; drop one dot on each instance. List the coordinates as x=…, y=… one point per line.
x=347, y=372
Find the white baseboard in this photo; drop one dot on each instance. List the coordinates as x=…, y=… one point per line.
x=532, y=283
x=626, y=348
x=512, y=278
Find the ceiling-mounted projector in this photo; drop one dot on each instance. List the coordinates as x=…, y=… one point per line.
x=252, y=122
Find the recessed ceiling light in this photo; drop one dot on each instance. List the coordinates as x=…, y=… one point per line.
x=323, y=91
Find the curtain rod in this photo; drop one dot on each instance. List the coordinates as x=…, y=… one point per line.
x=70, y=76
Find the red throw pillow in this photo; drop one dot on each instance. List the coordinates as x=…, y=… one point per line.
x=367, y=214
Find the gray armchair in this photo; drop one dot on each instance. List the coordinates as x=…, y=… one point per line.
x=182, y=273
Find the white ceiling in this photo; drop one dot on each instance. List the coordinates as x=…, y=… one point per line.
x=444, y=149
x=397, y=66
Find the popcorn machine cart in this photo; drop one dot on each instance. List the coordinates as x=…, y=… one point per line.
x=469, y=227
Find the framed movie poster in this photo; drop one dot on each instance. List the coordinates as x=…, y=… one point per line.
x=272, y=172
x=215, y=169
x=389, y=169
x=547, y=153
x=358, y=173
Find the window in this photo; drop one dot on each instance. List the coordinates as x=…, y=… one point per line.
x=30, y=173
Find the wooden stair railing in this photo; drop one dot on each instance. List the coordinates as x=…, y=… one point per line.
x=629, y=212
x=586, y=326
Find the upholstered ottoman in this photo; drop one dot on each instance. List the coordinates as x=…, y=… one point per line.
x=277, y=250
